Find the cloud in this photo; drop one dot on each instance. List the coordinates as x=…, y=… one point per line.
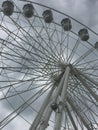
x=86, y=11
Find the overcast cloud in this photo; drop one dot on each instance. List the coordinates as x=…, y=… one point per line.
x=86, y=11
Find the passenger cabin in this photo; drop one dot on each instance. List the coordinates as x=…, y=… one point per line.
x=28, y=10
x=66, y=24
x=48, y=16
x=96, y=45
x=8, y=7
x=83, y=34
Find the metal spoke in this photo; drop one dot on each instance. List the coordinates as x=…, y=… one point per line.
x=48, y=69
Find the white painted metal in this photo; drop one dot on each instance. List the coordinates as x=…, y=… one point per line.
x=88, y=78
x=63, y=96
x=40, y=113
x=82, y=117
x=44, y=123
x=71, y=117
x=88, y=87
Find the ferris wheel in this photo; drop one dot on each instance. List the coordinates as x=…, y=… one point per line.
x=48, y=69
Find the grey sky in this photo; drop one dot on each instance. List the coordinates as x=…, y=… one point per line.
x=86, y=11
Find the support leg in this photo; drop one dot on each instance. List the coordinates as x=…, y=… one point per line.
x=63, y=96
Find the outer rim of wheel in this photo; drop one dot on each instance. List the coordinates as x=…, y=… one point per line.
x=67, y=16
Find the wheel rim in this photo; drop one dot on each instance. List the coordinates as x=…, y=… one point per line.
x=34, y=53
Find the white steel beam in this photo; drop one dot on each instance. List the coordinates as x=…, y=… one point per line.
x=40, y=113
x=45, y=121
x=71, y=118
x=63, y=96
x=80, y=115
